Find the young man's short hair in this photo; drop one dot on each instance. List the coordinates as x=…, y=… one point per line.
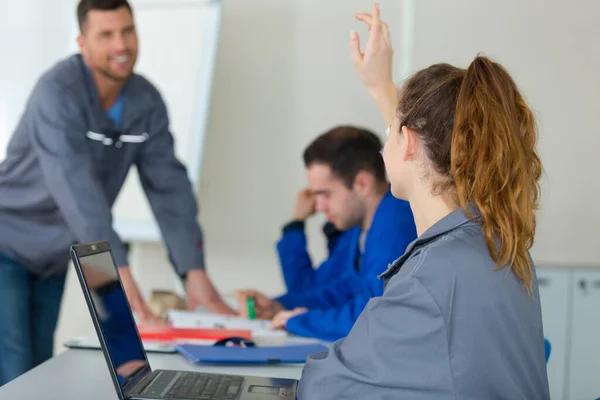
x=347, y=150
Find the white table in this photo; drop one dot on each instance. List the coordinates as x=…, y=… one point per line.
x=83, y=374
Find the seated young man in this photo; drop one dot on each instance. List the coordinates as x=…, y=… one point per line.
x=346, y=176
x=297, y=267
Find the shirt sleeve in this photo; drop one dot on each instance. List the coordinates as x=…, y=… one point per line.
x=59, y=141
x=331, y=323
x=396, y=349
x=296, y=264
x=167, y=186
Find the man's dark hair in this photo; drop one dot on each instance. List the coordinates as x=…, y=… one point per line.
x=347, y=150
x=85, y=6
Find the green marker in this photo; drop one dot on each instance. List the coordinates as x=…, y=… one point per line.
x=251, y=311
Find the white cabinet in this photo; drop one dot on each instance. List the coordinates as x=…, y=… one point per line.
x=555, y=293
x=584, y=364
x=570, y=300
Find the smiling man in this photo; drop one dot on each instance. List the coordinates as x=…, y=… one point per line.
x=346, y=177
x=88, y=120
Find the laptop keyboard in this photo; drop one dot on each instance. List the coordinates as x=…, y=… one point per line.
x=206, y=387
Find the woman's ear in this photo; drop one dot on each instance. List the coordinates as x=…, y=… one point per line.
x=410, y=143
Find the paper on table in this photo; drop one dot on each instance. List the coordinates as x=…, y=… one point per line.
x=192, y=319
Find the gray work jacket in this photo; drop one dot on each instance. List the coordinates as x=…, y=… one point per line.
x=448, y=326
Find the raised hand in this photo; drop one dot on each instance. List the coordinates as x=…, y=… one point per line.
x=374, y=66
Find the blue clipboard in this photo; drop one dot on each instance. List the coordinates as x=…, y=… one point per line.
x=249, y=355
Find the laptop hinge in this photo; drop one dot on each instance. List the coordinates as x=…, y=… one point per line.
x=139, y=380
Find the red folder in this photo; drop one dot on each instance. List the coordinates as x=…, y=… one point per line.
x=170, y=334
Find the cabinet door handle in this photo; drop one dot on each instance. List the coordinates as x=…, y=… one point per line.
x=582, y=284
x=596, y=284
x=542, y=281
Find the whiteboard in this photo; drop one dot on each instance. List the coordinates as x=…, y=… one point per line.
x=33, y=36
x=177, y=50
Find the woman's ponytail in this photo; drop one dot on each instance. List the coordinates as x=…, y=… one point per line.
x=494, y=163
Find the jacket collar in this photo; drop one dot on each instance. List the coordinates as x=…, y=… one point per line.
x=445, y=225
x=130, y=91
x=379, y=217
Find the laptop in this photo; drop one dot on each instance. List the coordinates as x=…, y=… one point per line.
x=132, y=375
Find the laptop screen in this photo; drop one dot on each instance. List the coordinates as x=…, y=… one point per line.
x=122, y=340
